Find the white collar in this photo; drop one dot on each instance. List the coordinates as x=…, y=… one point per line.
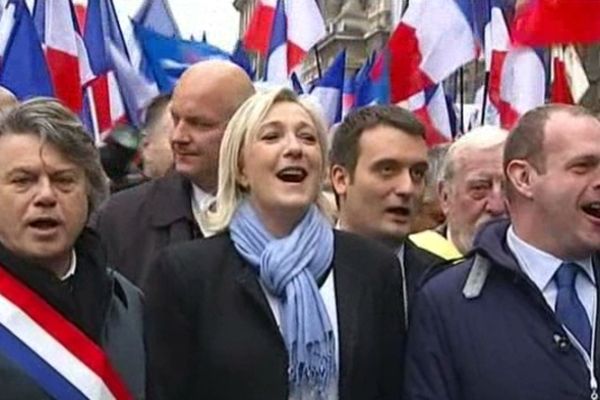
x=539, y=265
x=72, y=266
x=201, y=201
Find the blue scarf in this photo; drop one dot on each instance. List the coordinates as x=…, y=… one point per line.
x=289, y=267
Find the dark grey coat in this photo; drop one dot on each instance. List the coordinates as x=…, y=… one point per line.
x=116, y=324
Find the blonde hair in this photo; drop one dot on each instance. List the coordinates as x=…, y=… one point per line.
x=242, y=128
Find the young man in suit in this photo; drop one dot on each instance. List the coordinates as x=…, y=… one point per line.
x=378, y=161
x=518, y=318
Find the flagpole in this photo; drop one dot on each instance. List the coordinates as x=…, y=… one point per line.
x=485, y=96
x=317, y=58
x=486, y=83
x=94, y=117
x=461, y=77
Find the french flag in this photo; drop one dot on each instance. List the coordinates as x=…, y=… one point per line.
x=569, y=83
x=106, y=103
x=277, y=69
x=24, y=70
x=305, y=28
x=348, y=96
x=517, y=75
x=7, y=22
x=432, y=40
x=432, y=109
x=283, y=33
x=328, y=90
x=65, y=52
x=371, y=82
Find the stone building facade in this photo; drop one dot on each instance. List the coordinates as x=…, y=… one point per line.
x=363, y=26
x=360, y=26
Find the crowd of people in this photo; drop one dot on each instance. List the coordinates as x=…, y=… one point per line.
x=263, y=259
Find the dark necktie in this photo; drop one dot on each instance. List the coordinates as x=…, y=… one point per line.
x=569, y=309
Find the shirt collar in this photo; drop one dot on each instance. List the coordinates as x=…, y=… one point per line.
x=530, y=258
x=72, y=266
x=200, y=196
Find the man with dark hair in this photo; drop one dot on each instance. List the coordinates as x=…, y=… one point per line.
x=378, y=161
x=157, y=155
x=518, y=318
x=69, y=326
x=137, y=223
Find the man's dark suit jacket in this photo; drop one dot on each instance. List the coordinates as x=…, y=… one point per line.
x=212, y=334
x=135, y=224
x=417, y=262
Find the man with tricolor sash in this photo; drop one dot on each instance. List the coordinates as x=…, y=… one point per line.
x=70, y=328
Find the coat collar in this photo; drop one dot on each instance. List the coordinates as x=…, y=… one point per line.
x=169, y=200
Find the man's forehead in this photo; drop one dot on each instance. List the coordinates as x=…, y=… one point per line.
x=393, y=142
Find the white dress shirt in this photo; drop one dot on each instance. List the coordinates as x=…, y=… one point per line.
x=200, y=203
x=540, y=267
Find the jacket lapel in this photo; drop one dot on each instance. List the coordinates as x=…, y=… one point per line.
x=350, y=291
x=248, y=283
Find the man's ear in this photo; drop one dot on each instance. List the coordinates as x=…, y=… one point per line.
x=340, y=179
x=443, y=192
x=521, y=176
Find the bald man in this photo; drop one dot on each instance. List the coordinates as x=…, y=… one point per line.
x=137, y=223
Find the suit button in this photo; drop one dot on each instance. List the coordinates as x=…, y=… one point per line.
x=561, y=342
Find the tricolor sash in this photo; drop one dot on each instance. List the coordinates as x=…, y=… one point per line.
x=50, y=349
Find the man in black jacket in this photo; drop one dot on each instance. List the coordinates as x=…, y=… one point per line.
x=378, y=161
x=67, y=323
x=137, y=223
x=518, y=319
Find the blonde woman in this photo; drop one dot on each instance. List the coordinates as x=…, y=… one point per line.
x=277, y=305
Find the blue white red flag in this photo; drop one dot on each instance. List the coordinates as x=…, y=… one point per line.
x=283, y=33
x=432, y=109
x=7, y=22
x=432, y=40
x=569, y=81
x=241, y=58
x=24, y=70
x=104, y=97
x=517, y=80
x=169, y=57
x=65, y=51
x=371, y=83
x=328, y=90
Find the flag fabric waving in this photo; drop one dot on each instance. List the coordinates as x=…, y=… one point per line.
x=431, y=108
x=517, y=75
x=545, y=22
x=328, y=90
x=569, y=83
x=169, y=57
x=156, y=15
x=432, y=40
x=283, y=32
x=66, y=54
x=24, y=70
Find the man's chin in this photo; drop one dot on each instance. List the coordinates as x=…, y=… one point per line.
x=393, y=238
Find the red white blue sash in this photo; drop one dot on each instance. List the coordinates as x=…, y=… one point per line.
x=50, y=349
